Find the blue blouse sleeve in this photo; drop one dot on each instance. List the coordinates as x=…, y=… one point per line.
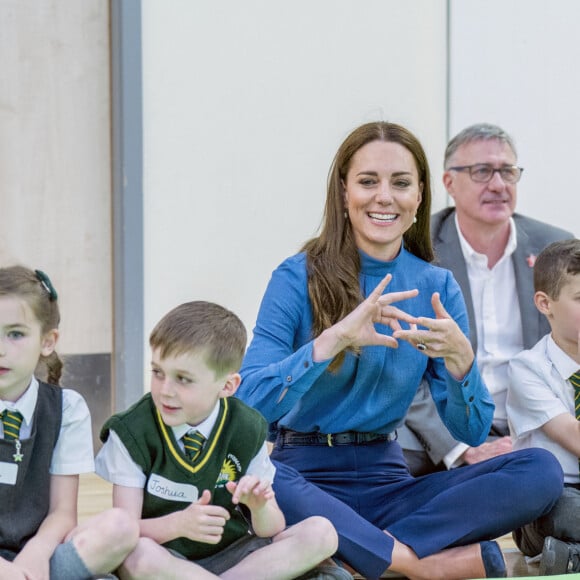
x=278, y=367
x=465, y=406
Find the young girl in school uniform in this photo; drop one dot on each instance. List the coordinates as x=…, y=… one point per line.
x=46, y=441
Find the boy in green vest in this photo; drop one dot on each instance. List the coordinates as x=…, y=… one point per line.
x=191, y=464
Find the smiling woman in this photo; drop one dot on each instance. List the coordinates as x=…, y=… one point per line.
x=334, y=366
x=382, y=193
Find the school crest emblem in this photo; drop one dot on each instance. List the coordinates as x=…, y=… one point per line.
x=230, y=471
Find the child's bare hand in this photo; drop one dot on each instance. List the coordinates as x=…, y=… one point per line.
x=26, y=567
x=12, y=571
x=203, y=522
x=251, y=491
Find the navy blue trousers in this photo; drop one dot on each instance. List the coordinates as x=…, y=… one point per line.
x=365, y=489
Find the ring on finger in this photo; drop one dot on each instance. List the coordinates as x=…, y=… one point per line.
x=421, y=346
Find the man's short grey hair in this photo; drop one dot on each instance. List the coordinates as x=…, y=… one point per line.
x=477, y=132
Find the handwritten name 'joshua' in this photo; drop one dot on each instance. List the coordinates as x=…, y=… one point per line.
x=163, y=491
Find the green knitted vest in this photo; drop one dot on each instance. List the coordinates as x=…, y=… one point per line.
x=173, y=482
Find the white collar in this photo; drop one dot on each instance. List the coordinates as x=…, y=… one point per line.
x=205, y=427
x=26, y=404
x=564, y=364
x=470, y=254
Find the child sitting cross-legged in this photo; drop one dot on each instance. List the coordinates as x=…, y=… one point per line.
x=190, y=463
x=543, y=405
x=45, y=443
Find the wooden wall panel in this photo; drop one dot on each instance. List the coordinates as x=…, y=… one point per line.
x=55, y=177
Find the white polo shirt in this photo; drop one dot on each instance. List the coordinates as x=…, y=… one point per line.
x=73, y=453
x=539, y=390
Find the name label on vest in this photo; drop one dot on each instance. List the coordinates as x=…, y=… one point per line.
x=8, y=473
x=171, y=490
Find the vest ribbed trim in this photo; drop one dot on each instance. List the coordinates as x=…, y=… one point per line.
x=177, y=454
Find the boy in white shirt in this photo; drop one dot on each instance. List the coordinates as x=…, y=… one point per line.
x=543, y=394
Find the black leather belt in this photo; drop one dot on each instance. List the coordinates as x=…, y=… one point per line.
x=286, y=437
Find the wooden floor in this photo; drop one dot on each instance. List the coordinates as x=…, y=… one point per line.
x=95, y=496
x=516, y=563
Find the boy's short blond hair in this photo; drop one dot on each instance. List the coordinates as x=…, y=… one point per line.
x=202, y=327
x=555, y=264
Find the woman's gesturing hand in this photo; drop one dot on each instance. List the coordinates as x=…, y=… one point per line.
x=442, y=337
x=357, y=328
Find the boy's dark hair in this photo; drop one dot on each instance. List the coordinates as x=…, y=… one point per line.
x=554, y=265
x=206, y=327
x=36, y=289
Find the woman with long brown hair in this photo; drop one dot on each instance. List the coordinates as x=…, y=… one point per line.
x=347, y=330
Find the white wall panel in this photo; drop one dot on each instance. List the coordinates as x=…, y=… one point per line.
x=245, y=104
x=55, y=180
x=515, y=63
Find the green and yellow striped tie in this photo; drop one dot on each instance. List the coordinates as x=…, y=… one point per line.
x=193, y=442
x=12, y=421
x=575, y=380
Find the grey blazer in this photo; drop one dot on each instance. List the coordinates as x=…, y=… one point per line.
x=423, y=427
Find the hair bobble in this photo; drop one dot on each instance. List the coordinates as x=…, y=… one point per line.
x=47, y=284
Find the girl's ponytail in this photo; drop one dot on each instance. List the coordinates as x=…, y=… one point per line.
x=49, y=368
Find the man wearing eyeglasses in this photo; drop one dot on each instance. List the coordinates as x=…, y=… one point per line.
x=491, y=251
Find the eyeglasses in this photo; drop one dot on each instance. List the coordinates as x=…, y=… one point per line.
x=482, y=172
